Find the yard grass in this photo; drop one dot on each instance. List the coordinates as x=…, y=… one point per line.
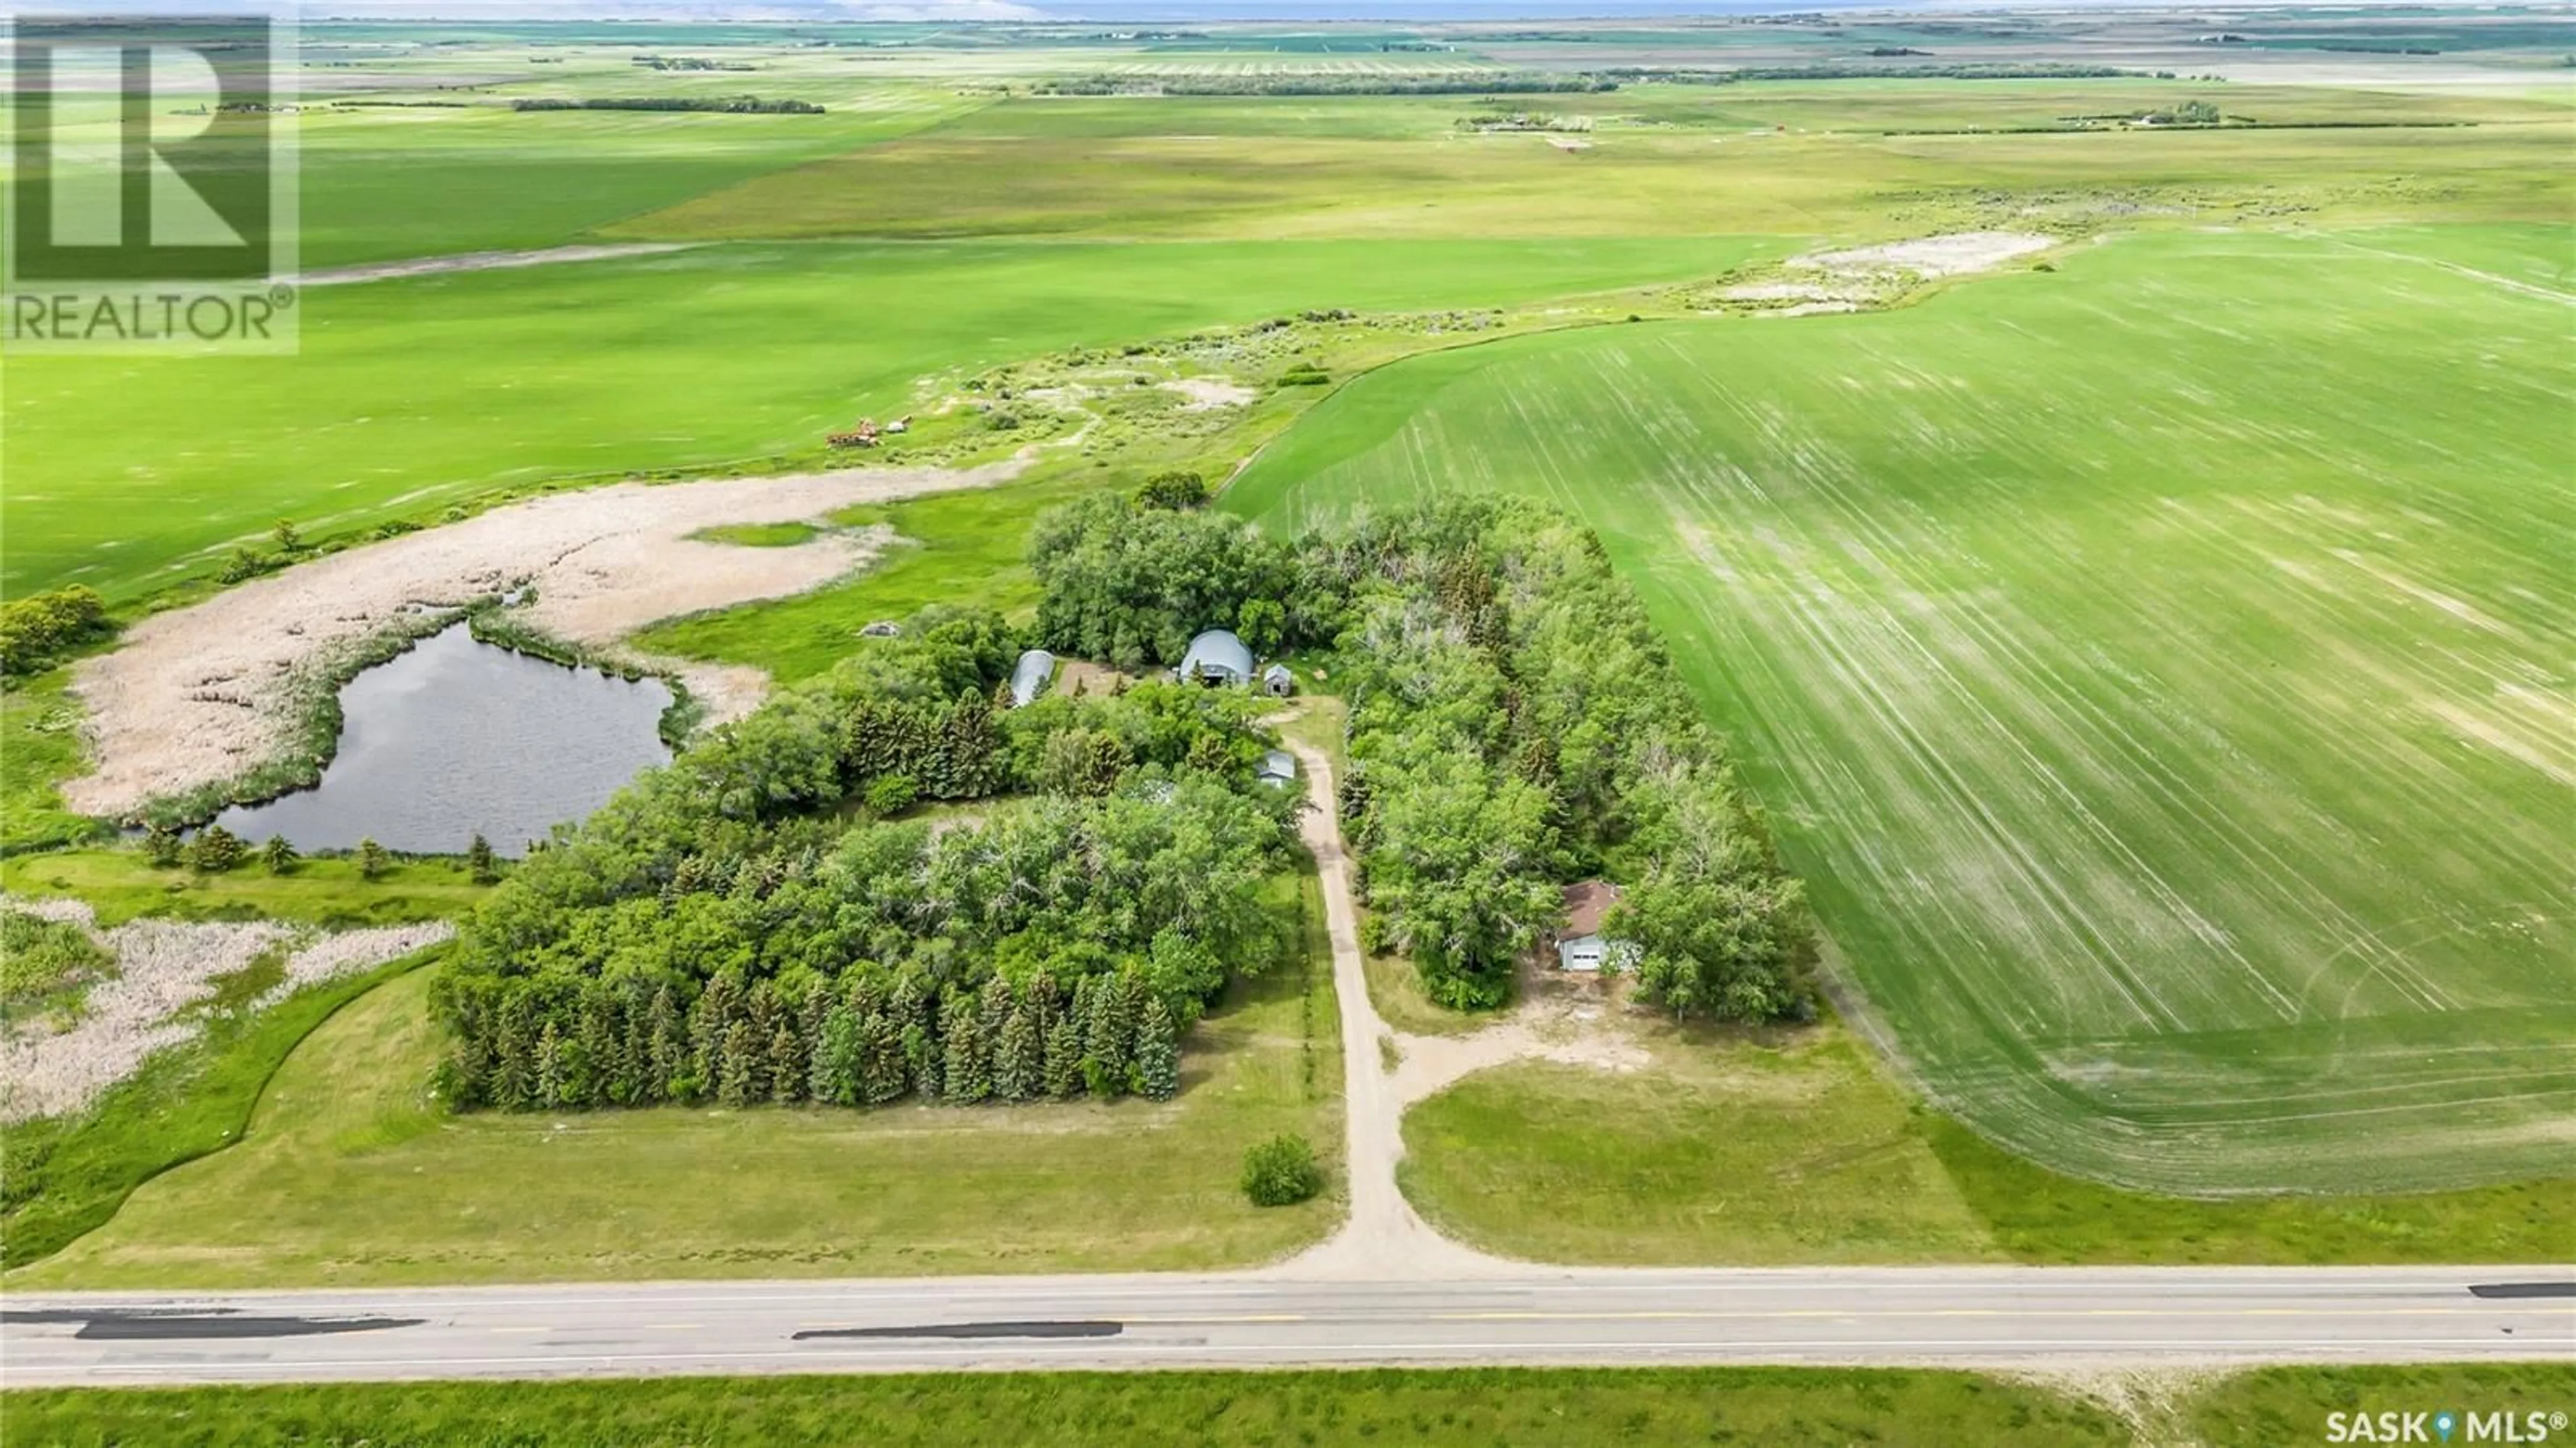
x=121, y=885
x=2175, y=743
x=2291, y=1404
x=1395, y=988
x=1729, y=1151
x=349, y=1174
x=64, y=1176
x=1523, y=1407
x=1742, y=1155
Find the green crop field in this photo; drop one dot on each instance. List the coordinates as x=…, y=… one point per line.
x=2157, y=668
x=124, y=471
x=1794, y=159
x=504, y=180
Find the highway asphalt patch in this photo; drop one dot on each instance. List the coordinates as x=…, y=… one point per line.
x=144, y=1325
x=974, y=1329
x=2524, y=1289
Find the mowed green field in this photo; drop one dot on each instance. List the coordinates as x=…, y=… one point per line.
x=2157, y=668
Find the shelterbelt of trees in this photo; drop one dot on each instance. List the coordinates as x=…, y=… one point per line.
x=738, y=927
x=1515, y=725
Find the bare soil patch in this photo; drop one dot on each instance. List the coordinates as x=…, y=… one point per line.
x=1205, y=393
x=207, y=693
x=1572, y=1020
x=1083, y=677
x=164, y=968
x=1932, y=256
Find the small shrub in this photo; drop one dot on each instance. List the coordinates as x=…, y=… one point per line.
x=280, y=855
x=891, y=794
x=162, y=848
x=479, y=865
x=1177, y=490
x=217, y=850
x=372, y=859
x=242, y=566
x=35, y=628
x=1281, y=1172
x=46, y=964
x=286, y=537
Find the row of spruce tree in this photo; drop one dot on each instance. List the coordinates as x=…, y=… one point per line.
x=872, y=1038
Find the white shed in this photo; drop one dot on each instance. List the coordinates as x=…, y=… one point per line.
x=1277, y=682
x=1582, y=945
x=1279, y=767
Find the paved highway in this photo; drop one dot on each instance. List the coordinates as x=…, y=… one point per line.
x=1990, y=1317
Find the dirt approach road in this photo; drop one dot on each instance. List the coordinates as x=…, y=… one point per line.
x=1384, y=1240
x=1386, y=1289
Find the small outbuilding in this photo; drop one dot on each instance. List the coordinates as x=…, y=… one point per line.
x=884, y=628
x=1279, y=767
x=1277, y=682
x=1216, y=658
x=1030, y=676
x=1581, y=945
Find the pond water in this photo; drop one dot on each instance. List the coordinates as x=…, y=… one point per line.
x=457, y=738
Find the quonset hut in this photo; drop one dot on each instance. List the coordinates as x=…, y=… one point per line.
x=1216, y=658
x=1030, y=675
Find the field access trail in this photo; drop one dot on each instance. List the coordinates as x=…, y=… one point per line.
x=1383, y=1238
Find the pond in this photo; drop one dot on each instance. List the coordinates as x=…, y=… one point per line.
x=456, y=738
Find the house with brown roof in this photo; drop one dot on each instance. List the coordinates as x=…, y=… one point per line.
x=1582, y=944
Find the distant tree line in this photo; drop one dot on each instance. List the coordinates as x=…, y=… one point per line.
x=690, y=62
x=1515, y=724
x=747, y=892
x=727, y=105
x=1969, y=70
x=1442, y=83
